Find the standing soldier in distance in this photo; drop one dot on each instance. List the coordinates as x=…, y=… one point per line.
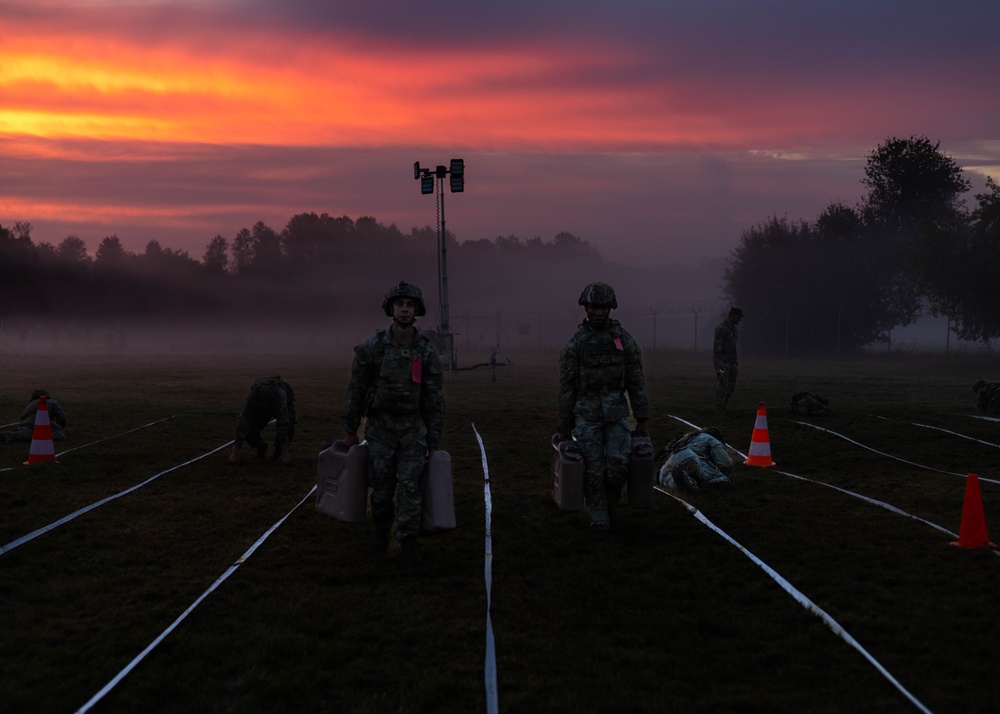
x=397, y=382
x=600, y=364
x=724, y=357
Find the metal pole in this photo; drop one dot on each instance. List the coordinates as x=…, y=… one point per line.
x=443, y=277
x=446, y=336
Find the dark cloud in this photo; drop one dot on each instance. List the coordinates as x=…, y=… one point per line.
x=792, y=94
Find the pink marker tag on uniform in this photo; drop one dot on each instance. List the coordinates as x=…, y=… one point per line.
x=416, y=370
x=618, y=343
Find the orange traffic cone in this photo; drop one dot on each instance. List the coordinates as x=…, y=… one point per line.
x=760, y=446
x=973, y=533
x=42, y=448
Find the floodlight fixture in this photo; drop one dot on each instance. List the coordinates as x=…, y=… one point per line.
x=457, y=175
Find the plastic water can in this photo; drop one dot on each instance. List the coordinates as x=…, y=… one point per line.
x=640, y=473
x=438, y=496
x=342, y=482
x=567, y=475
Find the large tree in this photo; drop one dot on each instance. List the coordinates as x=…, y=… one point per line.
x=768, y=276
x=913, y=212
x=73, y=250
x=913, y=187
x=216, y=258
x=110, y=251
x=964, y=286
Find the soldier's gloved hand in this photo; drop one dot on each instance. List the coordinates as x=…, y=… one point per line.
x=640, y=429
x=351, y=440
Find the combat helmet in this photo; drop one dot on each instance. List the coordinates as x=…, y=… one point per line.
x=598, y=295
x=404, y=289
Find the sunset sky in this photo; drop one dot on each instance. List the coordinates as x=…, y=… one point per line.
x=656, y=130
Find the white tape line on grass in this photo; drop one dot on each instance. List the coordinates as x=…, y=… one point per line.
x=866, y=499
x=947, y=431
x=882, y=453
x=222, y=578
x=86, y=509
x=979, y=416
x=124, y=433
x=490, y=673
x=801, y=599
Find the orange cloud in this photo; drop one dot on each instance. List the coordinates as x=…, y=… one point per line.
x=310, y=90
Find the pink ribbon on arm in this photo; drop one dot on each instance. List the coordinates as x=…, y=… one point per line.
x=618, y=343
x=416, y=370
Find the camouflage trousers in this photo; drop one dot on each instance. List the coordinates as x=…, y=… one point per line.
x=686, y=469
x=727, y=384
x=606, y=450
x=396, y=471
x=248, y=429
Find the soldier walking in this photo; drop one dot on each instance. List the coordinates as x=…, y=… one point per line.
x=397, y=382
x=724, y=357
x=599, y=366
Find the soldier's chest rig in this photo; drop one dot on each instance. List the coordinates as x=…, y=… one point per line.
x=602, y=361
x=398, y=373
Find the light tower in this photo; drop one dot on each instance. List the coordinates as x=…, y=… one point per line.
x=426, y=176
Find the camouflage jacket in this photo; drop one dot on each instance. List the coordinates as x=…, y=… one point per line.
x=703, y=445
x=724, y=347
x=57, y=417
x=396, y=386
x=597, y=369
x=271, y=398
x=988, y=398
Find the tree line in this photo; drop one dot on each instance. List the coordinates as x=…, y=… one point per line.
x=828, y=286
x=854, y=274
x=316, y=267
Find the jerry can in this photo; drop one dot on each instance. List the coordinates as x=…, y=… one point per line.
x=567, y=475
x=438, y=496
x=342, y=482
x=640, y=473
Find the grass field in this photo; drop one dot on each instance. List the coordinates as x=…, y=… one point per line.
x=659, y=615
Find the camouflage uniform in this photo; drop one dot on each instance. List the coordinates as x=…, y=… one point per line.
x=401, y=390
x=987, y=396
x=725, y=362
x=26, y=428
x=270, y=398
x=596, y=370
x=809, y=404
x=696, y=458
